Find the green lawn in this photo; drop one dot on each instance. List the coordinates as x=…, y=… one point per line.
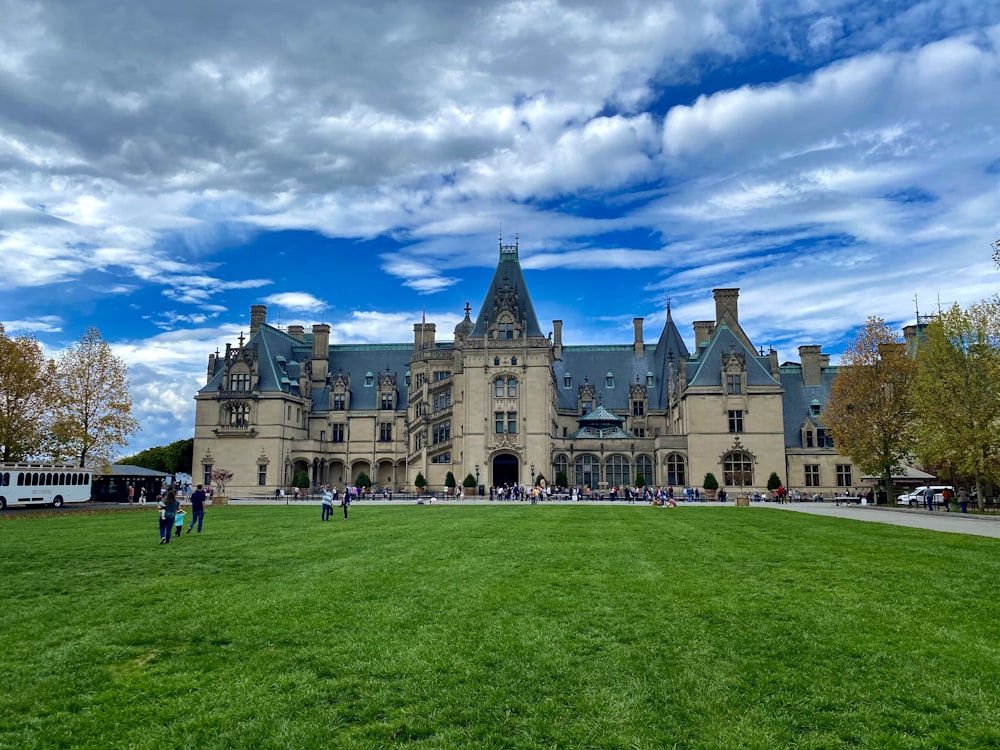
x=510, y=626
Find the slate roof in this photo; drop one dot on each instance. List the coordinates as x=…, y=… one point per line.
x=508, y=278
x=707, y=368
x=798, y=397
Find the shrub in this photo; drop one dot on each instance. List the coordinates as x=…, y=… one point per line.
x=469, y=481
x=710, y=483
x=449, y=481
x=301, y=480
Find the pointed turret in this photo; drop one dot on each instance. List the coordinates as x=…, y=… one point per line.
x=507, y=312
x=670, y=349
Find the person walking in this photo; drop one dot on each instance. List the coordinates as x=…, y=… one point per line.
x=326, y=504
x=197, y=508
x=168, y=512
x=131, y=494
x=346, y=502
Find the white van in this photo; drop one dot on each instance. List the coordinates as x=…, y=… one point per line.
x=916, y=498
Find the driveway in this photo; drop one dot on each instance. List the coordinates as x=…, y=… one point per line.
x=954, y=523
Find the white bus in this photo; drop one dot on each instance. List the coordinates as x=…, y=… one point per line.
x=43, y=484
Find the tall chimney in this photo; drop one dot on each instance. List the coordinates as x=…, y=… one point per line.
x=321, y=352
x=811, y=369
x=297, y=332
x=726, y=301
x=703, y=332
x=258, y=317
x=423, y=335
x=557, y=338
x=637, y=344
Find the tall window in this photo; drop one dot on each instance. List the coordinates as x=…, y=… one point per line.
x=512, y=422
x=387, y=400
x=809, y=438
x=207, y=475
x=844, y=475
x=442, y=400
x=811, y=475
x=734, y=384
x=511, y=388
x=339, y=401
x=385, y=432
x=441, y=432
x=737, y=470
x=567, y=381
x=498, y=388
x=588, y=471
x=239, y=415
x=676, y=473
x=638, y=408
x=644, y=469
x=337, y=431
x=609, y=381
x=560, y=465
x=823, y=439
x=498, y=422
x=736, y=420
x=616, y=471
x=587, y=406
x=239, y=381
x=261, y=475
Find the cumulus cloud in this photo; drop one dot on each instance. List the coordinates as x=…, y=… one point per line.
x=296, y=302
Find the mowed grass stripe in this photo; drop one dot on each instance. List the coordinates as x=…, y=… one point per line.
x=496, y=626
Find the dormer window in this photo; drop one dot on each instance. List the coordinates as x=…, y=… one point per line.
x=814, y=408
x=239, y=381
x=369, y=379
x=609, y=380
x=505, y=330
x=649, y=380
x=567, y=381
x=734, y=384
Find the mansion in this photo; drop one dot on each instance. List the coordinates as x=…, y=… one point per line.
x=505, y=403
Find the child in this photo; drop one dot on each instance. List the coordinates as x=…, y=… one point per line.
x=178, y=522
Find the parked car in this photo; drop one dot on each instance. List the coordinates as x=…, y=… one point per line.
x=916, y=497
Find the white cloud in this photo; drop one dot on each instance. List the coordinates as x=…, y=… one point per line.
x=296, y=302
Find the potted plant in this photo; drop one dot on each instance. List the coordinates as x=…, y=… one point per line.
x=710, y=485
x=469, y=483
x=420, y=483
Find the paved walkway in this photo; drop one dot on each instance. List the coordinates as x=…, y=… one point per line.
x=955, y=523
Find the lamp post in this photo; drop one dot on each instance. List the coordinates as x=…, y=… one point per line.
x=532, y=475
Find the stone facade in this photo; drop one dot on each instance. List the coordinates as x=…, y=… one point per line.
x=505, y=403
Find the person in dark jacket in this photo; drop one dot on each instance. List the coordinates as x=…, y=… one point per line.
x=197, y=508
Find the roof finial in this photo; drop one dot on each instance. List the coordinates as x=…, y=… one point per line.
x=668, y=305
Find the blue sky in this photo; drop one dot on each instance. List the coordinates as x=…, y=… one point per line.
x=163, y=166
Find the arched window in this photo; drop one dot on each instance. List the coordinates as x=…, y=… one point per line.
x=511, y=388
x=588, y=471
x=498, y=387
x=644, y=468
x=737, y=470
x=239, y=415
x=513, y=360
x=676, y=474
x=560, y=465
x=616, y=471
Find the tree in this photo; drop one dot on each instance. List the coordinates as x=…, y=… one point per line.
x=869, y=409
x=220, y=478
x=93, y=414
x=301, y=480
x=956, y=401
x=640, y=480
x=469, y=481
x=449, y=481
x=773, y=481
x=26, y=380
x=362, y=480
x=710, y=482
x=176, y=457
x=420, y=482
x=562, y=480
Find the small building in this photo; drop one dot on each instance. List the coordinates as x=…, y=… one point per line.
x=112, y=487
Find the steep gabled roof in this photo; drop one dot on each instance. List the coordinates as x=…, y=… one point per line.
x=508, y=291
x=669, y=349
x=708, y=366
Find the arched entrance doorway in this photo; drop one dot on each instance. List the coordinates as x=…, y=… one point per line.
x=505, y=469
